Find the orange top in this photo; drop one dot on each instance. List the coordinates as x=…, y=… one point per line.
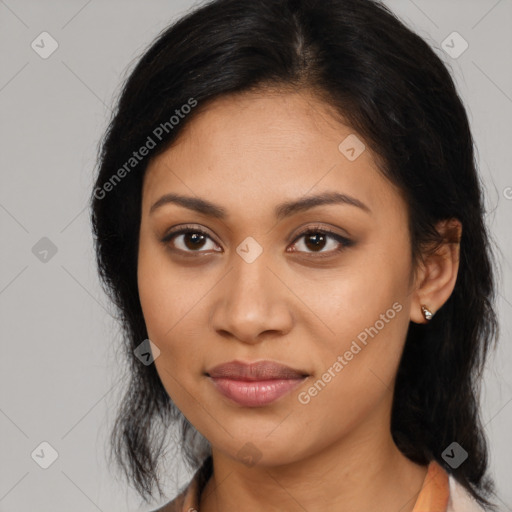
x=435, y=491
x=433, y=496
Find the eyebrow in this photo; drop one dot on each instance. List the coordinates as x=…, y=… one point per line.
x=281, y=211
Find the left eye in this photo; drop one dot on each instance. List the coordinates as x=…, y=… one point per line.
x=318, y=239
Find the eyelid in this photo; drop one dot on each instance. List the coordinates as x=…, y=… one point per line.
x=318, y=227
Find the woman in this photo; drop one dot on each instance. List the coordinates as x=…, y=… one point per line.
x=289, y=218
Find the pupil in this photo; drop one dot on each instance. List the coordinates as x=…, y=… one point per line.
x=318, y=240
x=196, y=238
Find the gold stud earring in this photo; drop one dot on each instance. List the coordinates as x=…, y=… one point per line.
x=426, y=312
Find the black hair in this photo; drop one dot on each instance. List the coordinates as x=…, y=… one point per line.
x=388, y=84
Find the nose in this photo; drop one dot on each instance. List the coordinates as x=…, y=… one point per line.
x=251, y=303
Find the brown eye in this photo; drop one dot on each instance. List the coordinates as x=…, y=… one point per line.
x=189, y=240
x=316, y=240
x=193, y=240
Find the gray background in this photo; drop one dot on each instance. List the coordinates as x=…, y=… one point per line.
x=59, y=373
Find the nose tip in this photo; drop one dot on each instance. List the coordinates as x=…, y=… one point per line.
x=249, y=324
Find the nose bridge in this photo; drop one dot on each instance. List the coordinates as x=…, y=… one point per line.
x=250, y=300
x=250, y=279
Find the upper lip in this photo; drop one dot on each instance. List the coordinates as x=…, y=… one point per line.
x=260, y=370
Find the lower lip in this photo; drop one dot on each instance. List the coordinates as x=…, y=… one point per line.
x=255, y=393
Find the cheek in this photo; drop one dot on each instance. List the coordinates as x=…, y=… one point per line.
x=354, y=296
x=165, y=307
x=356, y=372
x=170, y=308
x=163, y=293
x=366, y=309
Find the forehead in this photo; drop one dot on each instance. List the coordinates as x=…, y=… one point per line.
x=274, y=121
x=267, y=146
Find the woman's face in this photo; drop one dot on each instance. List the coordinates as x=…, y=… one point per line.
x=255, y=288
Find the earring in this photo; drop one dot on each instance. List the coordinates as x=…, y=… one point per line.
x=426, y=312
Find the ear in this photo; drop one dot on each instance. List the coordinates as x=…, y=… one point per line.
x=436, y=276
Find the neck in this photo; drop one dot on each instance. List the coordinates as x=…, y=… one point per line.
x=362, y=471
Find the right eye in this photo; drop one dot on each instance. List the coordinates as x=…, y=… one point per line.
x=188, y=239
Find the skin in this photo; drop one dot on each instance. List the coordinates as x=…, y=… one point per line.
x=247, y=154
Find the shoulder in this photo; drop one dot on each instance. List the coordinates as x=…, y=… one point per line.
x=460, y=499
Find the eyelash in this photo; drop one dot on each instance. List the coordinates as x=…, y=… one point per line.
x=344, y=242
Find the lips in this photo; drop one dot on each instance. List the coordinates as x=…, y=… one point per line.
x=261, y=370
x=256, y=384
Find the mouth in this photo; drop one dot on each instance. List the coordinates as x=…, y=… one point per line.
x=255, y=384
